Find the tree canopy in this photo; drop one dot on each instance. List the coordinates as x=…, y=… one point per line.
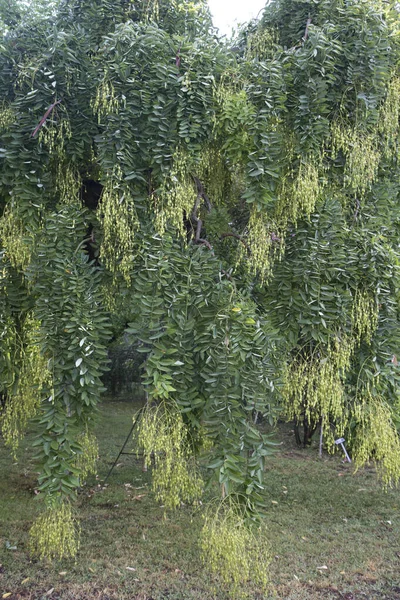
x=231, y=206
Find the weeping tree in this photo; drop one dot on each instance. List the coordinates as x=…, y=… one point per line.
x=232, y=209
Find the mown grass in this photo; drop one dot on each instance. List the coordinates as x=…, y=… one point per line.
x=319, y=514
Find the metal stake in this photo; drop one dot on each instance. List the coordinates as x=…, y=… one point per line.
x=341, y=442
x=125, y=443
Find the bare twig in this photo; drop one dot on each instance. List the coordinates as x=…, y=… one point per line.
x=201, y=194
x=199, y=225
x=228, y=276
x=45, y=117
x=205, y=243
x=357, y=211
x=237, y=237
x=321, y=437
x=195, y=222
x=307, y=26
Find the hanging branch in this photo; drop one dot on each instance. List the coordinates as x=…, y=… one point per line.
x=357, y=210
x=197, y=223
x=237, y=237
x=201, y=195
x=205, y=243
x=307, y=26
x=45, y=117
x=178, y=58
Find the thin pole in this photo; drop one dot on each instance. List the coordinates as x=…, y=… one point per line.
x=321, y=436
x=125, y=443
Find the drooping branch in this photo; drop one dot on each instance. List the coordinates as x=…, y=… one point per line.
x=201, y=194
x=196, y=223
x=199, y=225
x=307, y=26
x=205, y=243
x=45, y=117
x=357, y=210
x=274, y=238
x=237, y=237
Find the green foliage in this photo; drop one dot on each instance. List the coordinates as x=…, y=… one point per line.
x=209, y=355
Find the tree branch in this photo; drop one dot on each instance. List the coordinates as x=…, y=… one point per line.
x=199, y=225
x=206, y=243
x=237, y=237
x=45, y=117
x=201, y=194
x=307, y=26
x=196, y=223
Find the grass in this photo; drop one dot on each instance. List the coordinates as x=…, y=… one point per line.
x=320, y=514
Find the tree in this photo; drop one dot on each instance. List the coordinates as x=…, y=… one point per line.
x=234, y=211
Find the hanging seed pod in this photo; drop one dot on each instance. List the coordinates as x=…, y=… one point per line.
x=55, y=534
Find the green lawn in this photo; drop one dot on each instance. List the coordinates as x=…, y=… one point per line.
x=320, y=514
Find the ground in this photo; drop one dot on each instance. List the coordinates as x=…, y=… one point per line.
x=334, y=534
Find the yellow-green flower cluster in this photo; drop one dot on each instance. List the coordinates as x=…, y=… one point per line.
x=15, y=239
x=376, y=437
x=152, y=10
x=55, y=534
x=176, y=197
x=260, y=44
x=388, y=126
x=86, y=461
x=186, y=6
x=54, y=136
x=163, y=437
x=259, y=241
x=306, y=190
x=299, y=192
x=234, y=552
x=364, y=316
x=360, y=149
x=7, y=117
x=25, y=397
x=314, y=385
x=109, y=294
x=214, y=175
x=120, y=222
x=105, y=102
x=67, y=183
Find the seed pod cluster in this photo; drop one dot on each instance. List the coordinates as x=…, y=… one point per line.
x=120, y=223
x=376, y=436
x=86, y=461
x=105, y=101
x=360, y=149
x=163, y=437
x=15, y=239
x=32, y=380
x=233, y=551
x=55, y=534
x=364, y=316
x=7, y=117
x=176, y=196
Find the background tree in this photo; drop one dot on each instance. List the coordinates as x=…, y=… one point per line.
x=235, y=212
